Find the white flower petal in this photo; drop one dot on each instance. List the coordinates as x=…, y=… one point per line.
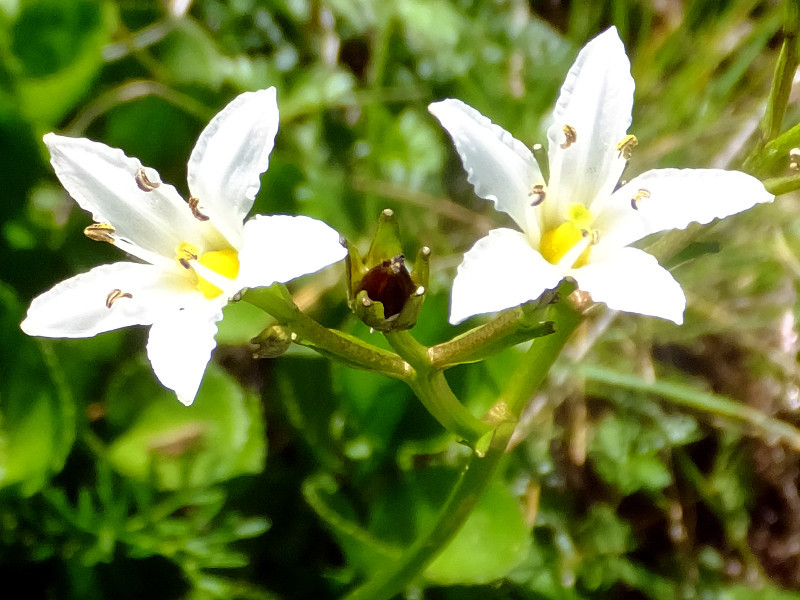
x=596, y=100
x=676, y=198
x=232, y=152
x=102, y=180
x=179, y=347
x=501, y=168
x=78, y=307
x=278, y=248
x=632, y=281
x=500, y=271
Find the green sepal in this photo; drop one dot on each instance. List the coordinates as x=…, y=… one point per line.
x=386, y=242
x=372, y=312
x=381, y=291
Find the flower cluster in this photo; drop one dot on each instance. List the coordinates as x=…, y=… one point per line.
x=191, y=256
x=579, y=223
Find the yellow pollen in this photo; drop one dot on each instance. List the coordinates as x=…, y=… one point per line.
x=222, y=262
x=557, y=242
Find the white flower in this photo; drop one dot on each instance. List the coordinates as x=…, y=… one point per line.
x=576, y=225
x=193, y=255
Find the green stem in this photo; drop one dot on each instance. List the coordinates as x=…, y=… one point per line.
x=277, y=301
x=768, y=428
x=478, y=472
x=762, y=157
x=782, y=185
x=473, y=480
x=432, y=389
x=784, y=75
x=511, y=327
x=527, y=379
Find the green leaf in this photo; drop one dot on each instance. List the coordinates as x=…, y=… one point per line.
x=242, y=322
x=191, y=56
x=218, y=437
x=691, y=252
x=493, y=541
x=605, y=538
x=363, y=548
x=762, y=593
x=318, y=87
x=57, y=47
x=625, y=454
x=37, y=412
x=372, y=406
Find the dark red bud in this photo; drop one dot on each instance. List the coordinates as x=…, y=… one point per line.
x=390, y=284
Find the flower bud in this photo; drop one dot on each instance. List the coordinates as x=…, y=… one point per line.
x=272, y=342
x=381, y=290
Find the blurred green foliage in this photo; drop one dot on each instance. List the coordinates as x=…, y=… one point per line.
x=111, y=489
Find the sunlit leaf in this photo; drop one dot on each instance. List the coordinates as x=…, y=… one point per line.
x=58, y=47
x=493, y=541
x=218, y=437
x=37, y=411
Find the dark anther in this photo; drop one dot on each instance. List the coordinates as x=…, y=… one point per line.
x=193, y=205
x=115, y=295
x=144, y=182
x=538, y=194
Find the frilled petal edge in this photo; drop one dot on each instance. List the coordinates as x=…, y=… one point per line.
x=632, y=281
x=107, y=297
x=224, y=171
x=665, y=199
x=279, y=248
x=595, y=107
x=149, y=217
x=500, y=271
x=501, y=168
x=179, y=347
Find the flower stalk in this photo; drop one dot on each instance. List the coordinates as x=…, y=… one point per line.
x=479, y=470
x=432, y=389
x=511, y=327
x=305, y=331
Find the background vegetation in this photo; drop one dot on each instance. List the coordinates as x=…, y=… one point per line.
x=660, y=461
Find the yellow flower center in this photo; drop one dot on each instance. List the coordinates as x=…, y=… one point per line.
x=222, y=262
x=557, y=242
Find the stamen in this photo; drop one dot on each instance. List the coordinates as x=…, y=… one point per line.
x=115, y=295
x=794, y=159
x=396, y=263
x=186, y=253
x=626, y=146
x=571, y=134
x=193, y=205
x=100, y=232
x=144, y=182
x=538, y=194
x=593, y=235
x=640, y=195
